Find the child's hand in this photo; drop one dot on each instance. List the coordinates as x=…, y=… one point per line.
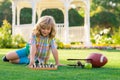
x=60, y=65
x=31, y=62
x=30, y=66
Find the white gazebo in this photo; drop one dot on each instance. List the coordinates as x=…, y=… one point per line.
x=40, y=5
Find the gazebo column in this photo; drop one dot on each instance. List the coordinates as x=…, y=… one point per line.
x=87, y=25
x=18, y=15
x=33, y=12
x=13, y=17
x=66, y=24
x=13, y=13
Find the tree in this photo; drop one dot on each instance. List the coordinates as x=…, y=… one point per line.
x=26, y=16
x=112, y=6
x=56, y=13
x=104, y=19
x=5, y=11
x=75, y=19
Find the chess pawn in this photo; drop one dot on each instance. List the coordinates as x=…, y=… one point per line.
x=37, y=61
x=42, y=65
x=39, y=65
x=34, y=65
x=48, y=65
x=51, y=65
x=55, y=66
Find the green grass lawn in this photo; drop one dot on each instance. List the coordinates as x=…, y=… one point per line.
x=110, y=71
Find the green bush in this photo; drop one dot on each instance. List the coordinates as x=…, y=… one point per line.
x=6, y=39
x=116, y=36
x=105, y=36
x=18, y=41
x=5, y=35
x=60, y=44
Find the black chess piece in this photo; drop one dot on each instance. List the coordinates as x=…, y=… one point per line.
x=37, y=63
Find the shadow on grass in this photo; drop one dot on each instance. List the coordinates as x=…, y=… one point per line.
x=110, y=50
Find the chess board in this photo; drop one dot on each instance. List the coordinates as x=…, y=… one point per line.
x=44, y=67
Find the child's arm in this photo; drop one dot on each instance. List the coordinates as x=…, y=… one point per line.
x=55, y=55
x=32, y=54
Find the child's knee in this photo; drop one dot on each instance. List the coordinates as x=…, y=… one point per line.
x=11, y=55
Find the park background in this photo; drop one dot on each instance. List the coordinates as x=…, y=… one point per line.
x=104, y=23
x=104, y=34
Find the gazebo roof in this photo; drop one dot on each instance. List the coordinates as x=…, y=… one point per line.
x=49, y=3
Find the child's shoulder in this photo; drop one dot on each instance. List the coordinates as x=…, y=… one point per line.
x=33, y=35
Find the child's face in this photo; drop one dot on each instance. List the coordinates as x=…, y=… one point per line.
x=45, y=31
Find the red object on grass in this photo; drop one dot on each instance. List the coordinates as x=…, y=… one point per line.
x=97, y=59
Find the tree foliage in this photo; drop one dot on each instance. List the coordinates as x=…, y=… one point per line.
x=5, y=11
x=25, y=16
x=104, y=19
x=7, y=40
x=5, y=34
x=56, y=13
x=105, y=12
x=75, y=19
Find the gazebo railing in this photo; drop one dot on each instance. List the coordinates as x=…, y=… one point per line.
x=76, y=33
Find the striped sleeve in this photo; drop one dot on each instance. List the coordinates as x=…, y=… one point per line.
x=32, y=40
x=53, y=44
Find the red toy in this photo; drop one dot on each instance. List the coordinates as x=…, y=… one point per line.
x=97, y=59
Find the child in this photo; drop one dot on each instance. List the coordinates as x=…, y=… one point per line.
x=41, y=41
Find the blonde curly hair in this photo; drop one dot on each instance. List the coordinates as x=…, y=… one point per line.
x=46, y=22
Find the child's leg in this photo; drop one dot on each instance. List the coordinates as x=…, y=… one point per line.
x=15, y=61
x=22, y=60
x=10, y=56
x=22, y=56
x=17, y=56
